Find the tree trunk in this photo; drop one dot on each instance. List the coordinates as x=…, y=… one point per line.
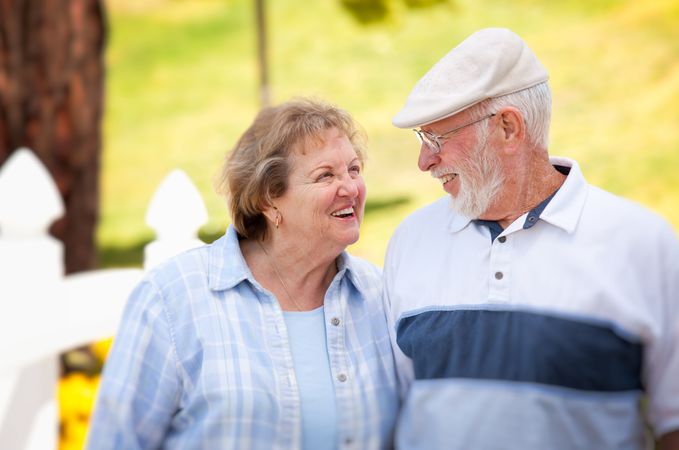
x=51, y=101
x=262, y=54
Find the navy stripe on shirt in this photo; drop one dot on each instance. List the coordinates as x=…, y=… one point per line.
x=520, y=346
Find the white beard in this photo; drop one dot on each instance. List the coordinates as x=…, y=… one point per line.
x=480, y=179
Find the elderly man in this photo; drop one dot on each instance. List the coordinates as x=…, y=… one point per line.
x=530, y=310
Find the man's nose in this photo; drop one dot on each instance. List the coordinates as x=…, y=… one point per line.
x=427, y=158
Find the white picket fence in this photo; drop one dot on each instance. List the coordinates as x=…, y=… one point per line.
x=44, y=313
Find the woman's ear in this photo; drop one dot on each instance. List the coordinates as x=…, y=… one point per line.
x=270, y=211
x=272, y=214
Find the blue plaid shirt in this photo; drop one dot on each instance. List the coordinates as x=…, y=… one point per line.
x=202, y=360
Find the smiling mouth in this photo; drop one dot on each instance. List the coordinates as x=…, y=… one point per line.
x=447, y=178
x=344, y=213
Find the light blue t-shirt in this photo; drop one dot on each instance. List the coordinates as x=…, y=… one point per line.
x=306, y=331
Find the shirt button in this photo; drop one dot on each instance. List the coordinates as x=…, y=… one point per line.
x=348, y=441
x=342, y=377
x=499, y=275
x=335, y=321
x=502, y=239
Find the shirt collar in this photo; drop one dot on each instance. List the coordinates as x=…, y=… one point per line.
x=357, y=271
x=227, y=267
x=457, y=220
x=563, y=210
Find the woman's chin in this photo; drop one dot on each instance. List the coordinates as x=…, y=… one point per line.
x=353, y=240
x=347, y=239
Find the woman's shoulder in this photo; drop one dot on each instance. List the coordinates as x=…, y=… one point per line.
x=365, y=276
x=190, y=263
x=197, y=264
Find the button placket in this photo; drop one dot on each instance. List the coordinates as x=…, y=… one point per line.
x=498, y=270
x=346, y=389
x=283, y=365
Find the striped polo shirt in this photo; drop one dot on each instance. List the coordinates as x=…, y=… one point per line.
x=548, y=336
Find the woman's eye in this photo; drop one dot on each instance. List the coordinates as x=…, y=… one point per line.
x=355, y=169
x=324, y=176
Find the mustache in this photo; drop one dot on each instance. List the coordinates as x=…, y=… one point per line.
x=438, y=172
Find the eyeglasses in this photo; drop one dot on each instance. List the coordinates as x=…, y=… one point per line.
x=434, y=141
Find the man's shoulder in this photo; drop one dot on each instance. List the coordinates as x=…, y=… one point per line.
x=432, y=213
x=614, y=209
x=422, y=229
x=635, y=228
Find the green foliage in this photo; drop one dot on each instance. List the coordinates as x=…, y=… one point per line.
x=182, y=87
x=367, y=11
x=422, y=3
x=378, y=11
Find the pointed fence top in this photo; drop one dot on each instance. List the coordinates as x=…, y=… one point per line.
x=177, y=210
x=29, y=199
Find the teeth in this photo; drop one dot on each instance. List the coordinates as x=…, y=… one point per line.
x=344, y=211
x=448, y=177
x=443, y=174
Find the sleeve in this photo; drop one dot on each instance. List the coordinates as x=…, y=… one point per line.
x=661, y=365
x=139, y=391
x=404, y=365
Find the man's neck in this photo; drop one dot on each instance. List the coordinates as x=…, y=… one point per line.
x=523, y=191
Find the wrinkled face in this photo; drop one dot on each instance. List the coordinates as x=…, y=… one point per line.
x=323, y=205
x=467, y=167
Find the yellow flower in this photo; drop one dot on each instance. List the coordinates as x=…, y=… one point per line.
x=75, y=432
x=101, y=348
x=77, y=393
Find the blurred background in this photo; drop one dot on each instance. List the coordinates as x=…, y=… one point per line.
x=182, y=85
x=181, y=82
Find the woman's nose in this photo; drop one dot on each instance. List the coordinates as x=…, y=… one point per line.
x=349, y=186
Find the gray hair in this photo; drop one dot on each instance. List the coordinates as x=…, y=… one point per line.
x=535, y=104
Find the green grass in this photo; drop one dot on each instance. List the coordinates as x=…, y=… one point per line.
x=182, y=86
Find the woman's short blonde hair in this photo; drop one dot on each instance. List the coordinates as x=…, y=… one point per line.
x=257, y=169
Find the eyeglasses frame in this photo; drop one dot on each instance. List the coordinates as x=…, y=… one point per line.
x=428, y=138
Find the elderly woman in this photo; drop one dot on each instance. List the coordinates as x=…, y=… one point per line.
x=273, y=336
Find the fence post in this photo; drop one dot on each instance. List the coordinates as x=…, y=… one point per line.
x=175, y=213
x=31, y=269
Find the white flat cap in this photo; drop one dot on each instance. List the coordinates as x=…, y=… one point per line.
x=489, y=63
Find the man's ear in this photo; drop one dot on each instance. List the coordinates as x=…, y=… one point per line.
x=512, y=126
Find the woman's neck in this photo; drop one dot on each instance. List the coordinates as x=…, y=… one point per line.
x=298, y=278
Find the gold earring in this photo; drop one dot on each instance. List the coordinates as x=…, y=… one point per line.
x=278, y=217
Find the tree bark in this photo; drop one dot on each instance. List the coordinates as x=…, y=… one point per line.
x=51, y=101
